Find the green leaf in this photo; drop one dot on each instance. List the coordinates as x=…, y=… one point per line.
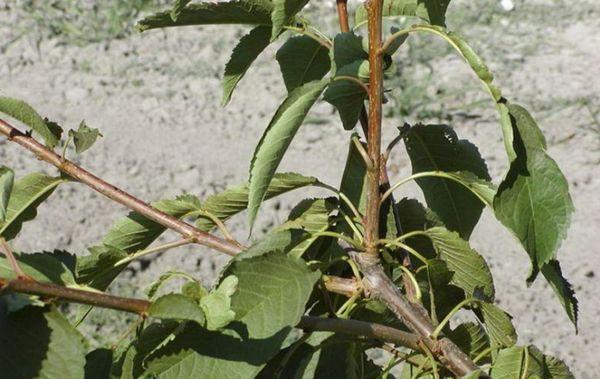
x=546, y=366
x=26, y=195
x=40, y=343
x=23, y=112
x=310, y=216
x=471, y=338
x=471, y=273
x=533, y=200
x=508, y=363
x=322, y=355
x=98, y=269
x=233, y=200
x=354, y=179
x=42, y=267
x=437, y=148
x=283, y=13
x=302, y=60
x=276, y=139
x=153, y=337
x=84, y=137
x=432, y=11
x=177, y=8
x=348, y=49
x=348, y=98
x=217, y=304
x=232, y=12
x=175, y=306
x=246, y=51
x=7, y=177
x=152, y=290
x=441, y=294
x=272, y=293
x=562, y=288
x=98, y=364
x=497, y=322
x=135, y=232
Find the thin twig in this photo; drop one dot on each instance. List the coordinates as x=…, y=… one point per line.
x=152, y=250
x=7, y=251
x=138, y=306
x=116, y=194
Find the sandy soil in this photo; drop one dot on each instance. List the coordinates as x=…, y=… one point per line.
x=155, y=97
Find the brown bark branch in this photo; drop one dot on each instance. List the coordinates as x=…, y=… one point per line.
x=374, y=11
x=116, y=194
x=379, y=286
x=139, y=306
x=334, y=284
x=342, y=8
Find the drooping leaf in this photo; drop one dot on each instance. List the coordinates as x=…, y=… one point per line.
x=42, y=267
x=175, y=306
x=235, y=199
x=152, y=338
x=441, y=295
x=348, y=49
x=432, y=11
x=546, y=366
x=207, y=13
x=98, y=364
x=84, y=137
x=177, y=7
x=217, y=304
x=348, y=98
x=26, y=195
x=533, y=200
x=322, y=355
x=283, y=12
x=437, y=148
x=475, y=61
x=302, y=60
x=562, y=288
x=245, y=52
x=413, y=216
x=152, y=290
x=98, y=269
x=136, y=232
x=354, y=179
x=272, y=293
x=7, y=177
x=276, y=139
x=471, y=272
x=23, y=112
x=508, y=363
x=310, y=216
x=471, y=338
x=497, y=322
x=40, y=343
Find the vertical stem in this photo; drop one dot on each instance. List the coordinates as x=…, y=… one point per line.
x=342, y=8
x=374, y=10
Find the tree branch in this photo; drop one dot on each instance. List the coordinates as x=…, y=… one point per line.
x=116, y=194
x=374, y=12
x=334, y=284
x=379, y=286
x=139, y=306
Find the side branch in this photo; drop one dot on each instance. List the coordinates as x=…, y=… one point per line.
x=116, y=194
x=139, y=306
x=379, y=286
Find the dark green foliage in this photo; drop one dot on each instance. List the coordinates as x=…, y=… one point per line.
x=250, y=323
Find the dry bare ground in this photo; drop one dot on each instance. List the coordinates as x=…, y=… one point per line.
x=156, y=99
